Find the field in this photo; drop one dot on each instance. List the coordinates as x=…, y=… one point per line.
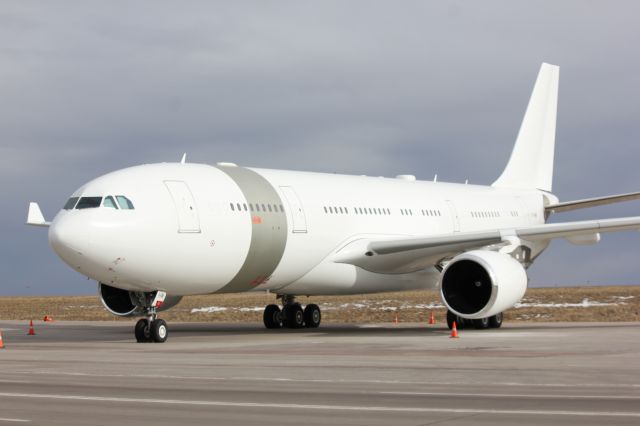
x=539, y=304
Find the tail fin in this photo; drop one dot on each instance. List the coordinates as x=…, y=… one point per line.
x=531, y=162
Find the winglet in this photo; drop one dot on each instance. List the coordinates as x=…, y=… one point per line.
x=184, y=158
x=35, y=217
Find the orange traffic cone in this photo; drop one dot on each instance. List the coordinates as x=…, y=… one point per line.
x=32, y=332
x=1, y=341
x=454, y=330
x=395, y=319
x=432, y=320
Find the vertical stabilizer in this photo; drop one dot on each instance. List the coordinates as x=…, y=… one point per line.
x=531, y=162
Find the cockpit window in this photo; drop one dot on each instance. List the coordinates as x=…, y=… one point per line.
x=109, y=202
x=124, y=202
x=71, y=203
x=89, y=203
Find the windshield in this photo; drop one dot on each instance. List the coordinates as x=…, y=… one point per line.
x=88, y=202
x=71, y=203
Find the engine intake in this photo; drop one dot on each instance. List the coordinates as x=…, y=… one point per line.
x=479, y=284
x=123, y=303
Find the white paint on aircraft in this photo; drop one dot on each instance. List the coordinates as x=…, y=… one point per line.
x=185, y=228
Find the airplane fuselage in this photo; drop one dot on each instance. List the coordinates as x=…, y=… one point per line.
x=197, y=229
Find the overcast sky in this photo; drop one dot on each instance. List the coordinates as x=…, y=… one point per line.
x=378, y=88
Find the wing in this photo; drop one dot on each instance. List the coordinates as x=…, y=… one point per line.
x=35, y=217
x=415, y=253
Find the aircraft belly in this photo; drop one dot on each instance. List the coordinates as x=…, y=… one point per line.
x=329, y=278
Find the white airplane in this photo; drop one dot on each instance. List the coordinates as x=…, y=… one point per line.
x=153, y=233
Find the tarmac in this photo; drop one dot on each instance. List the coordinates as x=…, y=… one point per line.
x=93, y=373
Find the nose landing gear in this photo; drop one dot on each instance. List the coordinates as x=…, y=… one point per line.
x=147, y=331
x=151, y=328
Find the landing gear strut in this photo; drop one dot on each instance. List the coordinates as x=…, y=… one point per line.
x=151, y=328
x=292, y=315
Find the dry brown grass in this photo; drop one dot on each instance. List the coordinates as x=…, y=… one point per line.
x=410, y=307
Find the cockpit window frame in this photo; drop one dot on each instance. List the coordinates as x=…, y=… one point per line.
x=90, y=202
x=112, y=203
x=124, y=203
x=71, y=203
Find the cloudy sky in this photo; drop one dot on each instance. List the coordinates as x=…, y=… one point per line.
x=359, y=87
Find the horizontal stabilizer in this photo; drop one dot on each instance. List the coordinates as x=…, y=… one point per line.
x=591, y=202
x=35, y=217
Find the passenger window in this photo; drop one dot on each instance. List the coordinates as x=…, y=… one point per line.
x=89, y=203
x=269, y=206
x=109, y=202
x=124, y=202
x=71, y=203
x=281, y=209
x=251, y=207
x=232, y=208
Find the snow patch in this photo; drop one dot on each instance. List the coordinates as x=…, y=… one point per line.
x=209, y=310
x=586, y=303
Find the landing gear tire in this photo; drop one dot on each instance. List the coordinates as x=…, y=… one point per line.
x=481, y=324
x=312, y=316
x=142, y=331
x=272, y=317
x=496, y=320
x=159, y=331
x=451, y=317
x=293, y=316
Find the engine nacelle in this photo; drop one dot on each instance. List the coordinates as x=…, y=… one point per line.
x=479, y=284
x=124, y=303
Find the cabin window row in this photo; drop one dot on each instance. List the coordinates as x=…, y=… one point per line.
x=257, y=207
x=430, y=212
x=485, y=214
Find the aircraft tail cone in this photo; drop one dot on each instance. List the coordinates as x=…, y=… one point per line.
x=432, y=320
x=454, y=331
x=31, y=332
x=1, y=341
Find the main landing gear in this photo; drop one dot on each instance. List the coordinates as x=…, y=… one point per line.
x=480, y=324
x=291, y=315
x=151, y=328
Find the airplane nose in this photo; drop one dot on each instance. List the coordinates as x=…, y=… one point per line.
x=70, y=239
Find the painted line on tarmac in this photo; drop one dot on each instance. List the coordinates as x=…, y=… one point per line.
x=15, y=420
x=510, y=395
x=14, y=381
x=322, y=407
x=364, y=381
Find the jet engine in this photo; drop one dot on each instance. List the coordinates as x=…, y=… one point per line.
x=479, y=284
x=125, y=303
